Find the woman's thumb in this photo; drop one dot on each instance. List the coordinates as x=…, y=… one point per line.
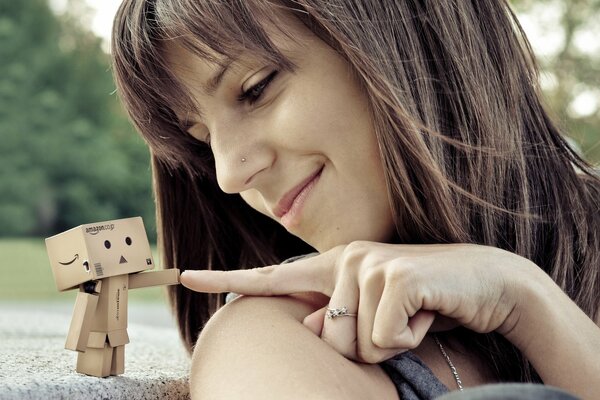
x=314, y=321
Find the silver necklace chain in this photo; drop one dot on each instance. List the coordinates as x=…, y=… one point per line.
x=449, y=362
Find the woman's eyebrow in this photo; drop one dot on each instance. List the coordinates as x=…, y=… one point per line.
x=213, y=83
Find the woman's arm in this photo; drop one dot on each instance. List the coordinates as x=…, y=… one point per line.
x=395, y=290
x=558, y=338
x=257, y=348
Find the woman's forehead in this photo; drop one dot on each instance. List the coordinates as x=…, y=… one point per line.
x=205, y=73
x=198, y=68
x=193, y=62
x=188, y=65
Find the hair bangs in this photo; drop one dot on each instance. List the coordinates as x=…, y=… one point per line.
x=213, y=31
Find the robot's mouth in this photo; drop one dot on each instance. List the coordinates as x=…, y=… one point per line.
x=70, y=262
x=122, y=260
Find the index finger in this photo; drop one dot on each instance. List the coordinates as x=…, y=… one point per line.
x=314, y=274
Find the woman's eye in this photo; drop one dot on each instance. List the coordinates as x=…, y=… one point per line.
x=253, y=94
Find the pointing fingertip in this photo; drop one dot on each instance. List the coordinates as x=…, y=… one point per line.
x=185, y=278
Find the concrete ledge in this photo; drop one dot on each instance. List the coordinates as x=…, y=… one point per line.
x=35, y=364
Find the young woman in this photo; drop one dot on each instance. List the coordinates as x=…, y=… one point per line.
x=404, y=141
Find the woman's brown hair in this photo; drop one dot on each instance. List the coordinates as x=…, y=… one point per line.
x=470, y=153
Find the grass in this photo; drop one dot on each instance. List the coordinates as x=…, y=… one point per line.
x=25, y=275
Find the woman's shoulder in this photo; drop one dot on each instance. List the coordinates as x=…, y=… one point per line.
x=253, y=340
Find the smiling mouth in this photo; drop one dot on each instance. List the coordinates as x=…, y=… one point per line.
x=75, y=257
x=291, y=204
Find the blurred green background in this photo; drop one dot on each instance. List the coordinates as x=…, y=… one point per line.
x=68, y=155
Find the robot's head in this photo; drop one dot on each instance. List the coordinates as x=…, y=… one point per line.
x=99, y=250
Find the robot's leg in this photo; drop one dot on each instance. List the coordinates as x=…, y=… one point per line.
x=95, y=362
x=118, y=361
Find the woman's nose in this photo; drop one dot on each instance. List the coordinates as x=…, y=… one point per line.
x=241, y=156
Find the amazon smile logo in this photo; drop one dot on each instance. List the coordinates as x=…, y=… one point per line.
x=70, y=262
x=94, y=230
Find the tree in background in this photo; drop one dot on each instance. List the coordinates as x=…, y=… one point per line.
x=67, y=153
x=568, y=50
x=69, y=156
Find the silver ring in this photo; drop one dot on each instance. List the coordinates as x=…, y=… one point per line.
x=338, y=312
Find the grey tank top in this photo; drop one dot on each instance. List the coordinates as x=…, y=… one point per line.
x=412, y=378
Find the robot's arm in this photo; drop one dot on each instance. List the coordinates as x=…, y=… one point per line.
x=83, y=313
x=144, y=279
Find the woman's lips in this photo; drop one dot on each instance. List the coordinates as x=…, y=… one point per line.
x=290, y=205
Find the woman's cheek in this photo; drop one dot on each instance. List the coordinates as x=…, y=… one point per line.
x=253, y=198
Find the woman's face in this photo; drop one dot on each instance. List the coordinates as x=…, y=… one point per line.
x=300, y=147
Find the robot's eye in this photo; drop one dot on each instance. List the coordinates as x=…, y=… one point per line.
x=128, y=241
x=107, y=244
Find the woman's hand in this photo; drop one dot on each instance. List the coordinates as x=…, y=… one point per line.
x=396, y=291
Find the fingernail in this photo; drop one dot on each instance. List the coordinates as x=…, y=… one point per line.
x=189, y=272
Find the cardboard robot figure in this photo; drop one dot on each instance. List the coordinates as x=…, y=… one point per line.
x=104, y=260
